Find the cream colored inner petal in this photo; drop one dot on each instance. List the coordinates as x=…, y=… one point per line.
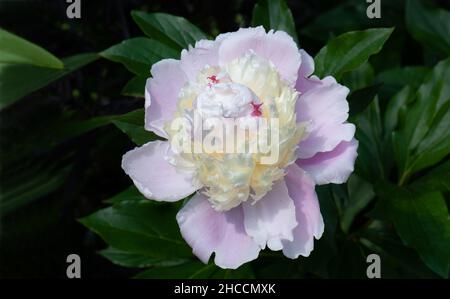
x=248, y=88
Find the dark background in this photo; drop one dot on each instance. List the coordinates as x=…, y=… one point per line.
x=36, y=239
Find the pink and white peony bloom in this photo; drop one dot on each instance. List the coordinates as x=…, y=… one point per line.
x=242, y=205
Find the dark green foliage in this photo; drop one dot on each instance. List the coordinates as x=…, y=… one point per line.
x=61, y=145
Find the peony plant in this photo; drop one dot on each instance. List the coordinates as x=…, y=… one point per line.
x=242, y=205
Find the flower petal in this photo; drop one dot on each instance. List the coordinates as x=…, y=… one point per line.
x=304, y=81
x=277, y=47
x=161, y=94
x=334, y=166
x=307, y=210
x=195, y=59
x=326, y=110
x=307, y=66
x=153, y=175
x=272, y=218
x=208, y=231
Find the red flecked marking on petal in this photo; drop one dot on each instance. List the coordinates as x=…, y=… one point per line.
x=256, y=109
x=213, y=79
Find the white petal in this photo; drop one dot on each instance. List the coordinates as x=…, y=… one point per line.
x=208, y=231
x=156, y=178
x=334, y=166
x=309, y=218
x=272, y=218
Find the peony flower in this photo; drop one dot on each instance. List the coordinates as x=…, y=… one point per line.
x=242, y=205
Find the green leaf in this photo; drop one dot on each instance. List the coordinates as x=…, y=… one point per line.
x=188, y=270
x=18, y=80
x=132, y=124
x=133, y=260
x=73, y=128
x=129, y=194
x=176, y=32
x=196, y=270
x=140, y=227
x=135, y=87
x=139, y=53
x=330, y=217
x=436, y=144
x=395, y=79
x=359, y=78
x=438, y=179
x=395, y=107
x=423, y=223
x=429, y=25
x=373, y=152
x=403, y=262
x=16, y=50
x=30, y=184
x=424, y=138
x=274, y=14
x=243, y=272
x=360, y=194
x=350, y=261
x=349, y=50
x=342, y=18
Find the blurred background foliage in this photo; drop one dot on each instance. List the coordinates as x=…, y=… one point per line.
x=68, y=113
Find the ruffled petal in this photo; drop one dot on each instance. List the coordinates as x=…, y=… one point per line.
x=275, y=46
x=205, y=53
x=272, y=218
x=208, y=231
x=307, y=210
x=161, y=94
x=334, y=166
x=154, y=177
x=305, y=81
x=307, y=66
x=326, y=110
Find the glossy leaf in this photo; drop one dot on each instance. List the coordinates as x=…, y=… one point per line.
x=429, y=25
x=140, y=227
x=359, y=78
x=360, y=194
x=349, y=50
x=132, y=124
x=438, y=179
x=129, y=194
x=133, y=260
x=276, y=15
x=343, y=17
x=138, y=54
x=373, y=153
x=176, y=32
x=424, y=137
x=135, y=87
x=423, y=223
x=18, y=80
x=400, y=261
x=30, y=184
x=393, y=80
x=396, y=106
x=16, y=50
x=196, y=270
